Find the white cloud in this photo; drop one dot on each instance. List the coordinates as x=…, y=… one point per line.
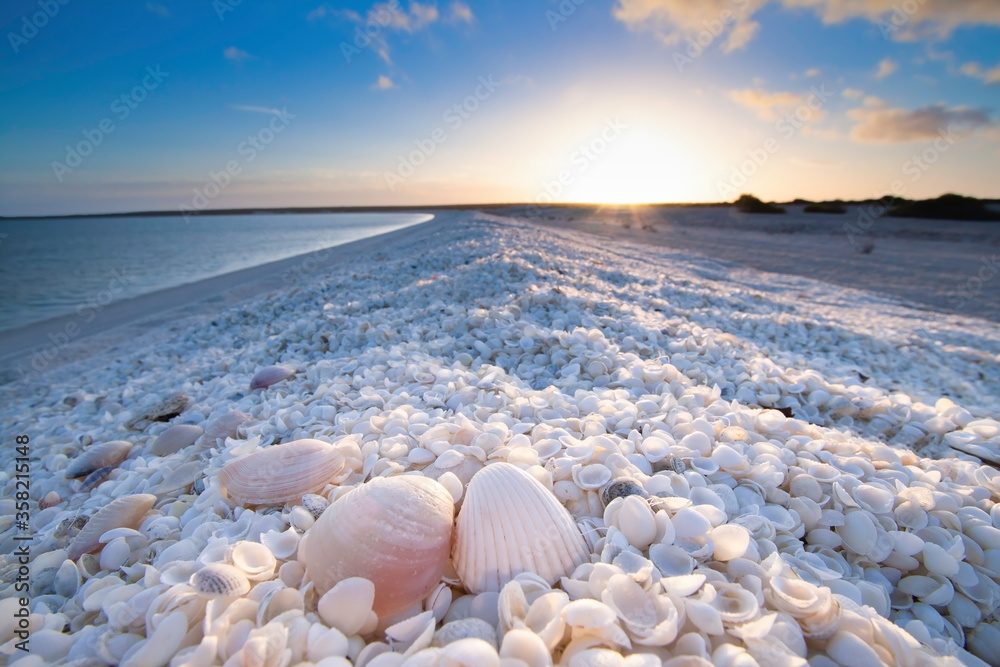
x=461, y=13
x=772, y=106
x=974, y=70
x=886, y=67
x=383, y=83
x=891, y=126
x=674, y=20
x=852, y=93
x=157, y=9
x=812, y=72
x=317, y=13
x=233, y=53
x=256, y=109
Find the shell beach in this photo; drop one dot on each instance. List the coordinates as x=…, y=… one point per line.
x=503, y=444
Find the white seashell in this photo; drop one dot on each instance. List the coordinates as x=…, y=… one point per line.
x=412, y=634
x=315, y=504
x=125, y=512
x=278, y=601
x=254, y=559
x=219, y=579
x=463, y=629
x=281, y=473
x=634, y=518
x=526, y=646
x=731, y=541
x=176, y=438
x=281, y=544
x=394, y=531
x=226, y=425
x=269, y=375
x=848, y=649
x=115, y=554
x=591, y=477
x=347, y=605
x=94, y=457
x=858, y=533
x=509, y=514
x=161, y=644
x=67, y=580
x=50, y=499
x=469, y=652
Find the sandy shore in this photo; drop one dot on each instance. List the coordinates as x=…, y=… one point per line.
x=725, y=460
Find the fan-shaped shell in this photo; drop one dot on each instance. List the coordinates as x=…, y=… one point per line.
x=126, y=512
x=393, y=531
x=99, y=456
x=176, y=438
x=510, y=524
x=220, y=579
x=281, y=473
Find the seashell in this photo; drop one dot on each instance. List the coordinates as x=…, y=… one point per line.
x=620, y=488
x=269, y=375
x=393, y=531
x=161, y=411
x=94, y=479
x=731, y=541
x=99, y=456
x=281, y=473
x=282, y=544
x=507, y=512
x=125, y=512
x=846, y=648
x=858, y=533
x=67, y=580
x=115, y=554
x=278, y=601
x=463, y=629
x=175, y=438
x=525, y=646
x=347, y=605
x=226, y=425
x=219, y=579
x=591, y=477
x=50, y=499
x=254, y=559
x=315, y=504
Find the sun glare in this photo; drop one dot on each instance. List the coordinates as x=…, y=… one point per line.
x=637, y=167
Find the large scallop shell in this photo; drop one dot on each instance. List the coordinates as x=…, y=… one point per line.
x=281, y=473
x=510, y=524
x=393, y=531
x=126, y=512
x=99, y=456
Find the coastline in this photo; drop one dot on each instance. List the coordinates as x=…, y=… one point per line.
x=74, y=337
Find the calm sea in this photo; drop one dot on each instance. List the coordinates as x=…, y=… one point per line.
x=51, y=267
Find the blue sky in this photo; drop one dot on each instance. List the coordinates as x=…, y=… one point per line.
x=597, y=101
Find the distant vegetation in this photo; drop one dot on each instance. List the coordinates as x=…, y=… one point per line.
x=750, y=204
x=945, y=207
x=825, y=207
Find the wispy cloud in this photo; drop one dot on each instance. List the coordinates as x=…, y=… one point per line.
x=853, y=93
x=383, y=83
x=235, y=54
x=812, y=72
x=460, y=13
x=886, y=67
x=892, y=126
x=157, y=9
x=772, y=106
x=974, y=70
x=255, y=109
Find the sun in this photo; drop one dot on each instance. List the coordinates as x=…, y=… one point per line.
x=638, y=166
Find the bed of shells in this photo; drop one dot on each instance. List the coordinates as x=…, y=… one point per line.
x=506, y=447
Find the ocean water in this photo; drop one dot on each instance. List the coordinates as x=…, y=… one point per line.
x=55, y=266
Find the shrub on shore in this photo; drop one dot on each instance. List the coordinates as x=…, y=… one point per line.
x=750, y=204
x=825, y=207
x=945, y=207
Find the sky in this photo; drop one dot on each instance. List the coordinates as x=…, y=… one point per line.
x=190, y=105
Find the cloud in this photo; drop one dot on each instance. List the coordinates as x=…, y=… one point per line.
x=974, y=70
x=852, y=93
x=157, y=9
x=255, y=109
x=886, y=67
x=893, y=126
x=460, y=13
x=238, y=55
x=675, y=20
x=812, y=72
x=772, y=106
x=383, y=83
x=318, y=13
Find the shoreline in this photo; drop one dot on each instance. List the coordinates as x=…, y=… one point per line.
x=123, y=320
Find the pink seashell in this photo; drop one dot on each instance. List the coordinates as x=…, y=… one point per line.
x=269, y=375
x=281, y=473
x=394, y=531
x=125, y=512
x=99, y=456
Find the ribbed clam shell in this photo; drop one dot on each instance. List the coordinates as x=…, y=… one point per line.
x=269, y=375
x=220, y=579
x=510, y=524
x=99, y=456
x=281, y=473
x=175, y=439
x=392, y=531
x=126, y=512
